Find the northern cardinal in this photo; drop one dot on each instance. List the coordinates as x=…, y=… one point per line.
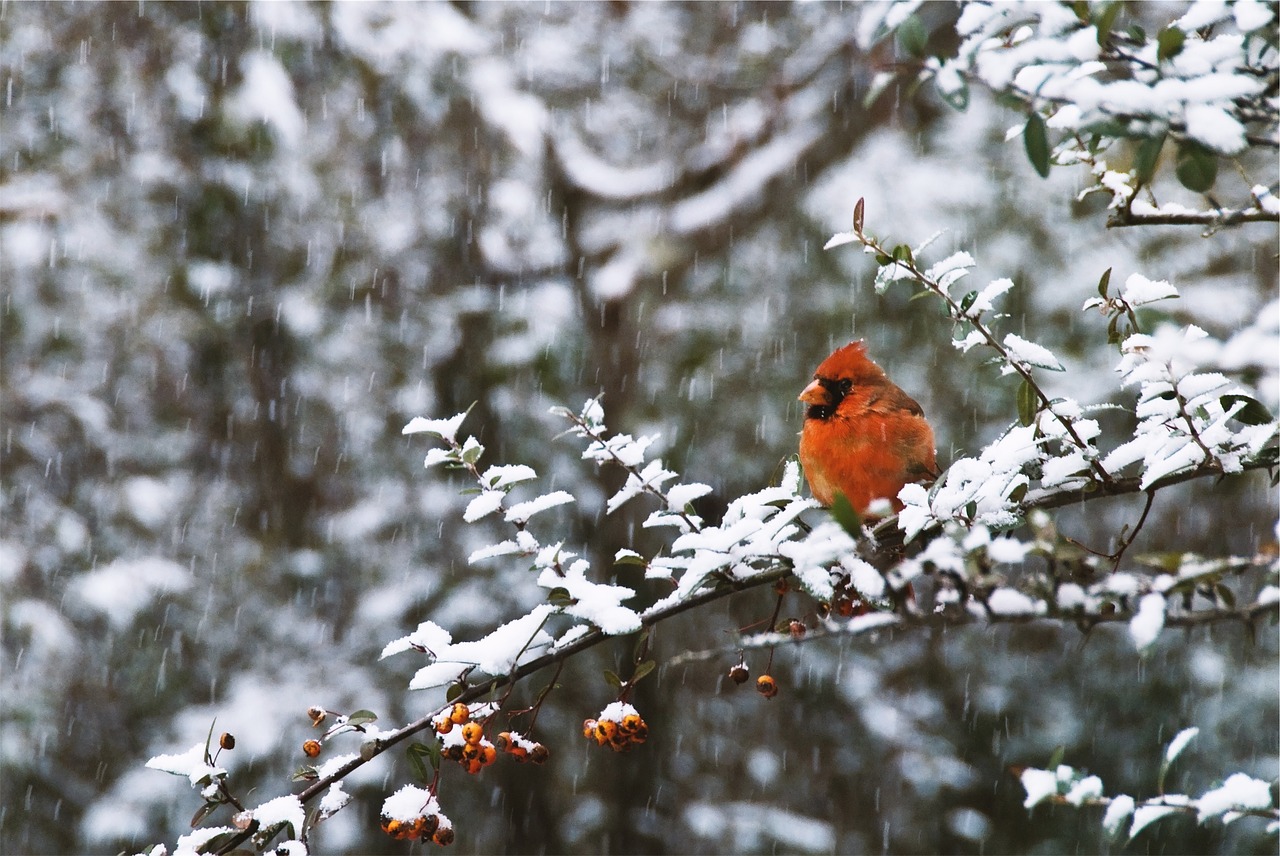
x=863, y=436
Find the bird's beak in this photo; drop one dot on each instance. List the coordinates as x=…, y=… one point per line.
x=815, y=393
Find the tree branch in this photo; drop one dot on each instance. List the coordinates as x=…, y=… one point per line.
x=888, y=539
x=1217, y=218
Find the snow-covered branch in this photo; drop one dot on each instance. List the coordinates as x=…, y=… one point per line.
x=1238, y=796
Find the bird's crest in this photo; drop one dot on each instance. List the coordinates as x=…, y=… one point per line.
x=850, y=361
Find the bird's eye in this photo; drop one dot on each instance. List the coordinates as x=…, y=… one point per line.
x=845, y=386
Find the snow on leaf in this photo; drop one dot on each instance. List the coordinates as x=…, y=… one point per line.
x=505, y=475
x=337, y=762
x=1139, y=291
x=522, y=511
x=682, y=494
x=1117, y=815
x=335, y=799
x=1178, y=743
x=951, y=269
x=190, y=764
x=445, y=429
x=1238, y=792
x=1144, y=816
x=285, y=809
x=840, y=239
x=483, y=505
x=436, y=675
x=192, y=844
x=1213, y=126
x=1146, y=624
x=1088, y=788
x=438, y=456
x=985, y=301
x=1039, y=785
x=429, y=635
x=498, y=652
x=599, y=603
x=1007, y=601
x=1030, y=354
x=502, y=548
x=1009, y=551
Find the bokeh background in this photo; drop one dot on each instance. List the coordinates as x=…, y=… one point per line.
x=241, y=246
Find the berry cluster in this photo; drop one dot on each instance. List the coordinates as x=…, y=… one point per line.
x=619, y=726
x=413, y=813
x=430, y=827
x=466, y=744
x=522, y=748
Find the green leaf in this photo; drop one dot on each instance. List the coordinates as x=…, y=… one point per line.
x=1197, y=167
x=1103, y=283
x=641, y=648
x=362, y=717
x=424, y=760
x=967, y=301
x=1147, y=156
x=1227, y=595
x=472, y=454
x=913, y=38
x=643, y=669
x=859, y=212
x=631, y=559
x=1169, y=43
x=203, y=812
x=849, y=519
x=883, y=260
x=1059, y=752
x=1036, y=137
x=1105, y=21
x=455, y=689
x=902, y=253
x=1028, y=403
x=368, y=750
x=559, y=596
x=613, y=679
x=1254, y=411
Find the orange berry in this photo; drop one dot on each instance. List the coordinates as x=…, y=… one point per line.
x=488, y=755
x=460, y=713
x=739, y=673
x=311, y=748
x=443, y=836
x=539, y=754
x=427, y=826
x=471, y=752
x=444, y=725
x=474, y=766
x=606, y=730
x=630, y=723
x=766, y=686
x=453, y=752
x=392, y=828
x=472, y=732
x=520, y=753
x=227, y=740
x=503, y=741
x=589, y=728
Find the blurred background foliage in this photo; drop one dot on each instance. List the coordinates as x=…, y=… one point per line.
x=243, y=245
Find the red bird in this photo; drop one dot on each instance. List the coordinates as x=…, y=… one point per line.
x=863, y=436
